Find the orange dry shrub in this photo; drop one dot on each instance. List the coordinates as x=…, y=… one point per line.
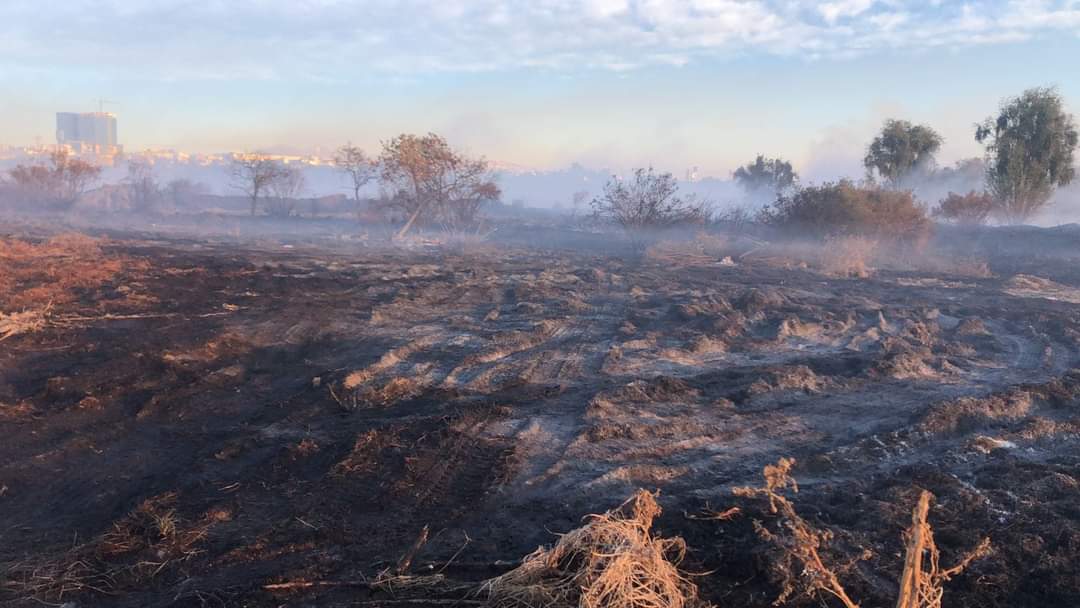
x=53, y=272
x=971, y=209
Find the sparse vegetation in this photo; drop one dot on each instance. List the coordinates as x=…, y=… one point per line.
x=144, y=194
x=56, y=185
x=1029, y=152
x=354, y=163
x=284, y=190
x=253, y=174
x=646, y=202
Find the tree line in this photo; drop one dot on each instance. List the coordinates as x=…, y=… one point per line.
x=1029, y=153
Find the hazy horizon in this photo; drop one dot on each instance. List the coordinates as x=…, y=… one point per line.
x=609, y=84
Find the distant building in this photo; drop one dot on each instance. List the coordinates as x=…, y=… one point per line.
x=87, y=132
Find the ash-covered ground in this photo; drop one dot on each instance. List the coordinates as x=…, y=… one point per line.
x=219, y=416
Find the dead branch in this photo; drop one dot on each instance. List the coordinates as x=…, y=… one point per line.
x=922, y=582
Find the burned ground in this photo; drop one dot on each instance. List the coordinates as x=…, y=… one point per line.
x=208, y=419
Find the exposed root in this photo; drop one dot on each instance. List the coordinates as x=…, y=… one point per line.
x=921, y=585
x=800, y=566
x=612, y=561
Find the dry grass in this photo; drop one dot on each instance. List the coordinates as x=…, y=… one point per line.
x=141, y=545
x=55, y=271
x=613, y=561
x=24, y=322
x=848, y=256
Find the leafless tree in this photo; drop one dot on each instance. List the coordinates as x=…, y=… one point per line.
x=577, y=201
x=646, y=201
x=253, y=174
x=181, y=192
x=58, y=184
x=143, y=190
x=283, y=190
x=353, y=162
x=429, y=180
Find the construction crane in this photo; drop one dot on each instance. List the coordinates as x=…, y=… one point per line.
x=102, y=102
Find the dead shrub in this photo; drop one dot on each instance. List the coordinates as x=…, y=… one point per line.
x=613, y=561
x=848, y=256
x=971, y=209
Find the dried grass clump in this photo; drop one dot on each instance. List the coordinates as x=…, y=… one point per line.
x=613, y=561
x=24, y=322
x=139, y=546
x=53, y=271
x=848, y=256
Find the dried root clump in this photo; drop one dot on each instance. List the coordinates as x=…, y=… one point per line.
x=25, y=322
x=921, y=584
x=613, y=561
x=800, y=567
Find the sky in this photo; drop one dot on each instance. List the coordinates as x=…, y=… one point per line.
x=535, y=83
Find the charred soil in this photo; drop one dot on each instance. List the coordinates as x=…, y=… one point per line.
x=195, y=423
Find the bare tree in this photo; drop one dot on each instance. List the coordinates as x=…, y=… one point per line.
x=143, y=190
x=283, y=190
x=181, y=192
x=58, y=184
x=577, y=201
x=353, y=162
x=252, y=174
x=429, y=180
x=647, y=201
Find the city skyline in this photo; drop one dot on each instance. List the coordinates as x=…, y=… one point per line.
x=704, y=84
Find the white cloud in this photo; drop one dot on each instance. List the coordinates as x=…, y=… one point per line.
x=833, y=11
x=322, y=39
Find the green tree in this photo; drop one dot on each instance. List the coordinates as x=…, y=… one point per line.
x=766, y=176
x=1029, y=152
x=900, y=151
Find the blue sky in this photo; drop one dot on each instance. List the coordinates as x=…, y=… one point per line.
x=609, y=83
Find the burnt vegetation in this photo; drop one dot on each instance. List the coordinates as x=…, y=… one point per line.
x=819, y=398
